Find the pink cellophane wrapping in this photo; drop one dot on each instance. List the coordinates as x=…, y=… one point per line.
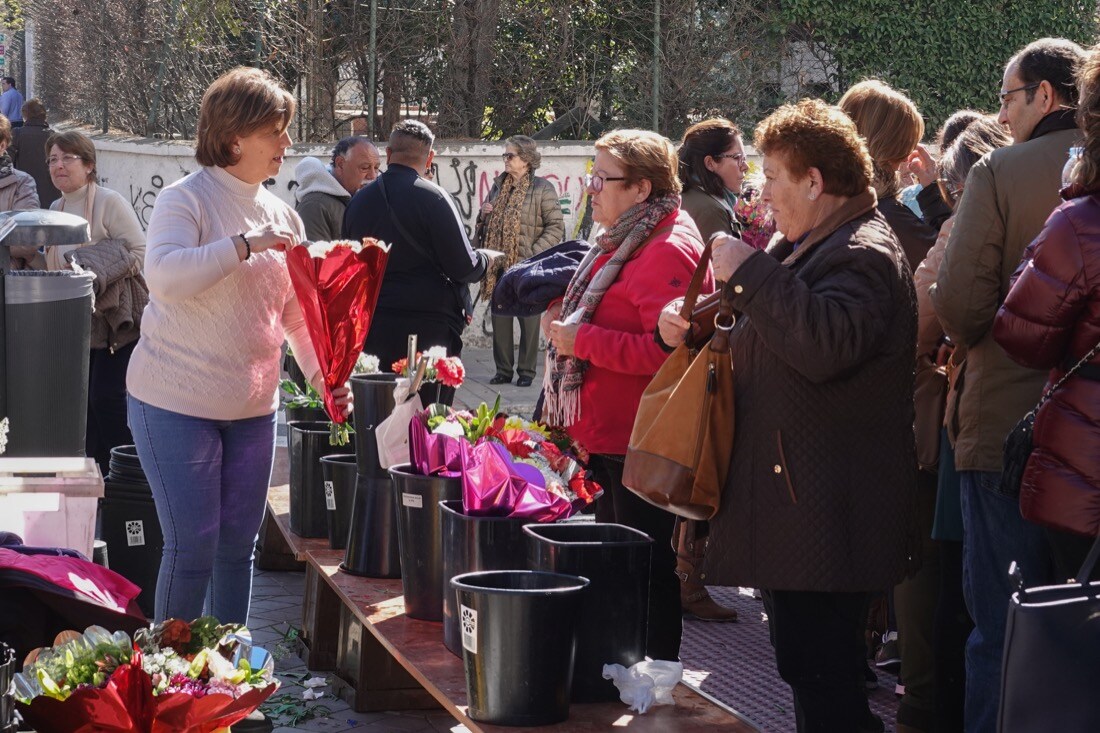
x=493, y=485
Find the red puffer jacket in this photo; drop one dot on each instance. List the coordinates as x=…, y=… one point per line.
x=1050, y=320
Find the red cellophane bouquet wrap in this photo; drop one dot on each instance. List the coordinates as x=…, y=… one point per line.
x=176, y=677
x=337, y=285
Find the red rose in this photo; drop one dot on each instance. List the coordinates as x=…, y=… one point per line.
x=450, y=371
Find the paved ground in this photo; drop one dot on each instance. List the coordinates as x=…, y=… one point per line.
x=731, y=662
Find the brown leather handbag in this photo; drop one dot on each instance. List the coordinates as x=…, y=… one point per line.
x=680, y=447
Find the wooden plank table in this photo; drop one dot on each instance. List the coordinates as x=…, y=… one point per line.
x=418, y=647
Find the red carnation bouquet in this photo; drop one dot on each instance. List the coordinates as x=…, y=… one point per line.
x=337, y=284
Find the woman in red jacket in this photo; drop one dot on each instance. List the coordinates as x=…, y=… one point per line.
x=602, y=351
x=1051, y=320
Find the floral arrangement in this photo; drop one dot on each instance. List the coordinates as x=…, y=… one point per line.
x=447, y=370
x=757, y=226
x=509, y=466
x=196, y=677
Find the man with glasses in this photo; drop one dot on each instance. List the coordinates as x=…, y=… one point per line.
x=1008, y=196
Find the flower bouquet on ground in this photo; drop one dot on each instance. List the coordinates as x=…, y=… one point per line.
x=510, y=467
x=174, y=677
x=337, y=284
x=433, y=365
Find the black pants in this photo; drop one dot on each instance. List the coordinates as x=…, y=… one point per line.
x=389, y=341
x=619, y=505
x=953, y=627
x=504, y=349
x=1070, y=550
x=107, y=427
x=820, y=653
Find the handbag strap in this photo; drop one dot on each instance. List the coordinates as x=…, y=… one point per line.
x=1065, y=377
x=1085, y=572
x=696, y=284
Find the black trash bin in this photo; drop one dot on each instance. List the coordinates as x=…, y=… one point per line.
x=340, y=477
x=518, y=639
x=616, y=604
x=7, y=702
x=473, y=544
x=48, y=317
x=307, y=443
x=420, y=537
x=372, y=549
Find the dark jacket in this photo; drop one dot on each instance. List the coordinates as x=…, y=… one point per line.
x=541, y=223
x=322, y=200
x=28, y=154
x=1050, y=320
x=529, y=287
x=709, y=214
x=821, y=488
x=915, y=237
x=424, y=280
x=120, y=292
x=934, y=210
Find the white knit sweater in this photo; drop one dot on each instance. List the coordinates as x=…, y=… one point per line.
x=212, y=332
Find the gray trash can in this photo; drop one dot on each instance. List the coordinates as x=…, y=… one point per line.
x=48, y=332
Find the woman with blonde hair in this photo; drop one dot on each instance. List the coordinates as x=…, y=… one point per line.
x=602, y=353
x=203, y=380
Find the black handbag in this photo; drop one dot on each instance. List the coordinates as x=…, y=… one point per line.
x=1019, y=442
x=1051, y=674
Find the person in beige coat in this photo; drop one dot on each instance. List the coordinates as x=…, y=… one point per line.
x=18, y=191
x=1009, y=195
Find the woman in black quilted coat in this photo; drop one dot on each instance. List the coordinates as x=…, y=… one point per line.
x=819, y=501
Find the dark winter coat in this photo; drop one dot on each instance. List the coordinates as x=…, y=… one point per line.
x=821, y=488
x=541, y=223
x=28, y=154
x=1050, y=320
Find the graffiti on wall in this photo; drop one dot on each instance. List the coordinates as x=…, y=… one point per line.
x=142, y=199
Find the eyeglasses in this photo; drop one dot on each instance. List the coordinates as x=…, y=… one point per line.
x=1024, y=88
x=738, y=157
x=509, y=156
x=64, y=159
x=950, y=193
x=596, y=183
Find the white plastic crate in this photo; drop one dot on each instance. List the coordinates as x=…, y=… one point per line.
x=50, y=502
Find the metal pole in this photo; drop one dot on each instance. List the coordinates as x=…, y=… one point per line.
x=372, y=76
x=258, y=51
x=103, y=67
x=657, y=65
x=170, y=31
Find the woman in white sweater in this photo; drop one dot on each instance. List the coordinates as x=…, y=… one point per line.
x=203, y=379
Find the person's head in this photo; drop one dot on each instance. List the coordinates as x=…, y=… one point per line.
x=355, y=162
x=8, y=82
x=5, y=134
x=521, y=156
x=243, y=124
x=1038, y=80
x=712, y=157
x=631, y=167
x=954, y=126
x=814, y=159
x=33, y=110
x=70, y=157
x=891, y=126
x=1087, y=172
x=411, y=145
x=981, y=136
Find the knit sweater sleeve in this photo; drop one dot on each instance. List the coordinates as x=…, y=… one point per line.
x=177, y=265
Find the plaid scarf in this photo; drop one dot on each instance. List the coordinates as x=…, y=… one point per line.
x=565, y=374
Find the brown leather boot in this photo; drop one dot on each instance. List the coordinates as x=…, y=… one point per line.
x=694, y=597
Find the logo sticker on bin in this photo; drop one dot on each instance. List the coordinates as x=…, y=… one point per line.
x=330, y=497
x=415, y=501
x=469, y=629
x=135, y=533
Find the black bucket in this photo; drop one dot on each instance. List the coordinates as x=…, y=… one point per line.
x=340, y=477
x=473, y=544
x=420, y=537
x=372, y=550
x=518, y=640
x=131, y=528
x=308, y=441
x=7, y=702
x=304, y=414
x=373, y=396
x=616, y=605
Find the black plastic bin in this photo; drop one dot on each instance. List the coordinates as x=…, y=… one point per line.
x=373, y=396
x=304, y=414
x=48, y=317
x=307, y=443
x=340, y=477
x=7, y=702
x=473, y=544
x=129, y=525
x=616, y=604
x=420, y=537
x=518, y=640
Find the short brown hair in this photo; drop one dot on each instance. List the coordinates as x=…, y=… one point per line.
x=5, y=131
x=813, y=134
x=75, y=143
x=1087, y=172
x=644, y=155
x=890, y=124
x=237, y=104
x=33, y=109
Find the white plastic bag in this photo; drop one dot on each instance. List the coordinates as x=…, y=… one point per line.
x=645, y=683
x=392, y=434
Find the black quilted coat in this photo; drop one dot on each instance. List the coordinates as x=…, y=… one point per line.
x=821, y=488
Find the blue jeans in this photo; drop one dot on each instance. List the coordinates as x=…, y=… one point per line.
x=209, y=480
x=994, y=535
